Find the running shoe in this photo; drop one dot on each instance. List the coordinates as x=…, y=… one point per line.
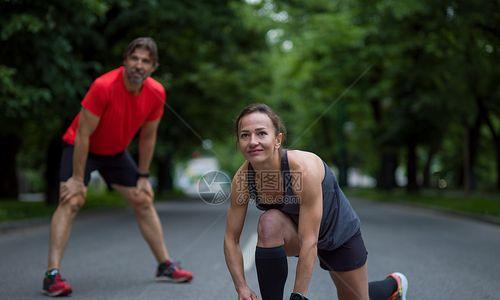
x=172, y=272
x=400, y=293
x=54, y=285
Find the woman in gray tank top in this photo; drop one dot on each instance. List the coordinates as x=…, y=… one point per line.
x=305, y=215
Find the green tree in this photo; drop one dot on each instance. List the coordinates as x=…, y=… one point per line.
x=42, y=71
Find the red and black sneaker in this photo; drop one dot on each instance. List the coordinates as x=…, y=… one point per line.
x=172, y=272
x=54, y=285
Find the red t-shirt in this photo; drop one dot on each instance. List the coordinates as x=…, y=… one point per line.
x=121, y=113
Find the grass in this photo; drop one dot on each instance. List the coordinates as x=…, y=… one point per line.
x=17, y=210
x=477, y=203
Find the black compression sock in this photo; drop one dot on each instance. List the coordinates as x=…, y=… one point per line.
x=272, y=270
x=383, y=289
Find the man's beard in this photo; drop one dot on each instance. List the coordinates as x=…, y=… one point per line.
x=135, y=77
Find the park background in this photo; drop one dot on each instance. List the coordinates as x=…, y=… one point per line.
x=403, y=92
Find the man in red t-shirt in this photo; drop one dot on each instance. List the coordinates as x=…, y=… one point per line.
x=118, y=105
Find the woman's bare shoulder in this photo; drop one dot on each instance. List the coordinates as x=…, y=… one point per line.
x=306, y=162
x=299, y=159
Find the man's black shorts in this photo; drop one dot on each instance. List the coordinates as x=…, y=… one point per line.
x=118, y=169
x=350, y=256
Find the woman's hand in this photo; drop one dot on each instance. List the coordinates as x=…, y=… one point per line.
x=246, y=294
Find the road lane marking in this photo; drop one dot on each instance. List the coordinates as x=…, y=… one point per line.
x=249, y=252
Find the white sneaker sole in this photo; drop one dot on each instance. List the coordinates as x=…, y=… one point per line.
x=404, y=283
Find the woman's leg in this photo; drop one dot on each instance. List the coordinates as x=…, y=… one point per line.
x=348, y=269
x=351, y=285
x=277, y=239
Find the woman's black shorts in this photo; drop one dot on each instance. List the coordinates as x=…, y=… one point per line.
x=350, y=256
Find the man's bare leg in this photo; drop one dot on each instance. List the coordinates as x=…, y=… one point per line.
x=60, y=229
x=147, y=219
x=151, y=229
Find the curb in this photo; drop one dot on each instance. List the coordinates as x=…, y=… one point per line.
x=478, y=217
x=9, y=226
x=17, y=225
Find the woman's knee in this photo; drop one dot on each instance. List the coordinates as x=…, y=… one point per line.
x=270, y=228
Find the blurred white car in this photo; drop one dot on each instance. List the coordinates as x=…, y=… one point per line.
x=187, y=178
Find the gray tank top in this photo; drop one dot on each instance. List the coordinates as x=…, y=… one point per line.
x=339, y=221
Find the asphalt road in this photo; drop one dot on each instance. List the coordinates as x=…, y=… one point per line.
x=443, y=256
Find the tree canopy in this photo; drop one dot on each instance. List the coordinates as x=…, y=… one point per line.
x=379, y=86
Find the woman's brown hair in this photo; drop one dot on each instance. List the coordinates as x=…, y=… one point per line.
x=261, y=108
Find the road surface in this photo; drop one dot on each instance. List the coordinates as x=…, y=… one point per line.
x=443, y=256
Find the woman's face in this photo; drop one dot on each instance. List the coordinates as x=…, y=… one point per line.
x=257, y=139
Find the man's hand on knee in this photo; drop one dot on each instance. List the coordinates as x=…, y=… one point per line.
x=143, y=185
x=71, y=188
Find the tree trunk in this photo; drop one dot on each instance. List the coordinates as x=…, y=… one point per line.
x=426, y=178
x=376, y=111
x=386, y=177
x=459, y=179
x=343, y=171
x=494, y=135
x=411, y=167
x=470, y=154
x=341, y=150
x=165, y=178
x=9, y=147
x=496, y=143
x=498, y=165
x=338, y=155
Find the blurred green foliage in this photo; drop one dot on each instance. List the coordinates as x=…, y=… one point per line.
x=371, y=85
